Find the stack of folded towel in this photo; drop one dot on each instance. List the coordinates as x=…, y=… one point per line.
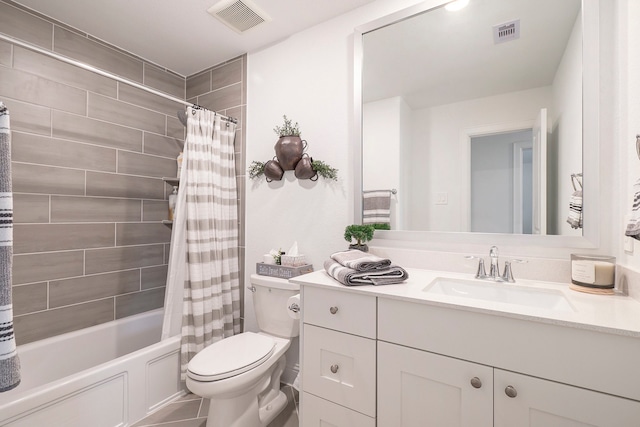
x=355, y=267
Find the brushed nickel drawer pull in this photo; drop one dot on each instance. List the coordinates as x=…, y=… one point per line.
x=475, y=382
x=334, y=368
x=510, y=391
x=333, y=310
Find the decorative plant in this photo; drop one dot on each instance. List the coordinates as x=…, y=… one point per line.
x=277, y=255
x=324, y=170
x=360, y=233
x=256, y=169
x=287, y=129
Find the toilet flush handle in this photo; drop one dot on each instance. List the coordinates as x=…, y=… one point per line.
x=251, y=288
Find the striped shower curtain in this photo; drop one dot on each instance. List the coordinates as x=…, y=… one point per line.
x=211, y=303
x=9, y=362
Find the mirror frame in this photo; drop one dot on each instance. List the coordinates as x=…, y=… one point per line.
x=590, y=153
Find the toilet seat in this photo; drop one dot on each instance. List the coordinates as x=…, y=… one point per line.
x=231, y=356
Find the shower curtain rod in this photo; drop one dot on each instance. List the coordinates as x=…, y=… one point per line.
x=104, y=73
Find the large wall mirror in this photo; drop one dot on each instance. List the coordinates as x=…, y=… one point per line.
x=478, y=121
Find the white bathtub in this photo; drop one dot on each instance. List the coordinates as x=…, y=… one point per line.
x=108, y=375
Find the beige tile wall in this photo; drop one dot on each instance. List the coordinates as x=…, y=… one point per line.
x=223, y=88
x=88, y=157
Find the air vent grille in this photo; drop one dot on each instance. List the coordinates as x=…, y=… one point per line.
x=239, y=15
x=506, y=32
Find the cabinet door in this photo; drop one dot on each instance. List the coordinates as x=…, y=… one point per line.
x=316, y=412
x=417, y=388
x=340, y=368
x=533, y=402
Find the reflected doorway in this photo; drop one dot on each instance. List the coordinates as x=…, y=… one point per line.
x=502, y=182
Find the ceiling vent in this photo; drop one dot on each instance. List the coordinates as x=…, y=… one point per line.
x=506, y=32
x=239, y=15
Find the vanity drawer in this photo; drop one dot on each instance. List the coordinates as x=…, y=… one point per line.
x=318, y=412
x=340, y=368
x=342, y=311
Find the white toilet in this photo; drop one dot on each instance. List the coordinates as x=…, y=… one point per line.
x=241, y=374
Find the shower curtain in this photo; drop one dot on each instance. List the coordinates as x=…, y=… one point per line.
x=203, y=289
x=9, y=361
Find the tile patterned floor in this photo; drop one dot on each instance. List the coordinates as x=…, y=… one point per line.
x=191, y=411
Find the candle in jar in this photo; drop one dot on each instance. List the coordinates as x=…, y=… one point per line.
x=598, y=273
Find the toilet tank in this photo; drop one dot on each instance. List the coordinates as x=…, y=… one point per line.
x=270, y=304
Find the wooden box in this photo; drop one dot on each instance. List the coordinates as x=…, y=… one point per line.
x=282, y=271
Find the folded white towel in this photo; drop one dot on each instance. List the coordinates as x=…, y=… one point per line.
x=360, y=261
x=350, y=277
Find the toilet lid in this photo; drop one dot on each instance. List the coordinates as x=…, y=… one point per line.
x=231, y=356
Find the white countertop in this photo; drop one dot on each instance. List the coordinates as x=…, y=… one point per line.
x=616, y=314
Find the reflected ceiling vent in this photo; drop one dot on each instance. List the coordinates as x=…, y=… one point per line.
x=506, y=32
x=239, y=15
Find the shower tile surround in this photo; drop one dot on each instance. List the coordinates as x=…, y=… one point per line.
x=88, y=154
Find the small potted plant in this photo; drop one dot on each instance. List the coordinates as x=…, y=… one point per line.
x=290, y=146
x=361, y=234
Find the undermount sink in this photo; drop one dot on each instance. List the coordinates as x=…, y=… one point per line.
x=508, y=293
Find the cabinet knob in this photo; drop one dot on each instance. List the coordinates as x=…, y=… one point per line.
x=333, y=310
x=510, y=391
x=334, y=368
x=475, y=382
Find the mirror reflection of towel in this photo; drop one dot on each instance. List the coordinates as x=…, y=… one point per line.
x=633, y=227
x=376, y=207
x=575, y=210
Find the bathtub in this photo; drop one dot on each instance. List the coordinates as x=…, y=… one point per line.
x=108, y=375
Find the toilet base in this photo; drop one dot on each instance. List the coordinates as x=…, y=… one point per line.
x=271, y=410
x=256, y=407
x=246, y=413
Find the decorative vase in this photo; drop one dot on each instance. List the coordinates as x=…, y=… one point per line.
x=289, y=151
x=304, y=168
x=362, y=247
x=273, y=171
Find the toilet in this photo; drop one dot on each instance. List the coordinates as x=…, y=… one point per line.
x=241, y=374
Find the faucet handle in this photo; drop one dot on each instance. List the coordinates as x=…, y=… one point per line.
x=481, y=273
x=507, y=276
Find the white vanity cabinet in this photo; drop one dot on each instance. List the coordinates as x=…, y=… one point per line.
x=421, y=373
x=370, y=358
x=521, y=400
x=338, y=359
x=418, y=388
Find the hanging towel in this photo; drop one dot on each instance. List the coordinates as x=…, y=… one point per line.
x=9, y=362
x=575, y=210
x=350, y=277
x=360, y=261
x=376, y=207
x=633, y=227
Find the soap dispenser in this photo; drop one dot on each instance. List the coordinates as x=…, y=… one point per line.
x=172, y=203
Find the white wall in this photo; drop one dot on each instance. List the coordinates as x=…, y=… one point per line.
x=566, y=126
x=438, y=158
x=308, y=77
x=384, y=136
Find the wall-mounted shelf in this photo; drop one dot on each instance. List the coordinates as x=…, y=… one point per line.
x=171, y=180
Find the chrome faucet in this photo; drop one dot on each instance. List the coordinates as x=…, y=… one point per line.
x=494, y=272
x=494, y=269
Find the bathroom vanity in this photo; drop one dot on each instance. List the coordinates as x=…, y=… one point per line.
x=444, y=349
